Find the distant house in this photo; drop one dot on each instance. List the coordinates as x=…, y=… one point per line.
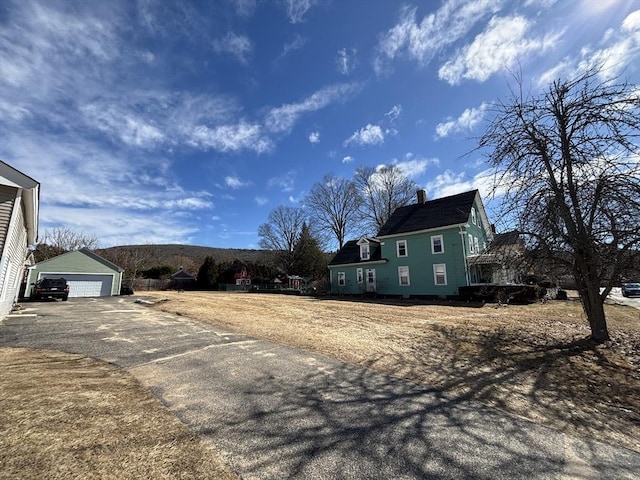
x=182, y=280
x=19, y=203
x=501, y=263
x=88, y=274
x=425, y=249
x=237, y=277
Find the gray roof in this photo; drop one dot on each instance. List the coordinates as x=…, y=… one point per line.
x=350, y=253
x=441, y=212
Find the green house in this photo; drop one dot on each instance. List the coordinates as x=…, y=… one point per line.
x=430, y=249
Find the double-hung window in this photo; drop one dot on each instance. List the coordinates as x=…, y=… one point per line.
x=440, y=274
x=364, y=251
x=401, y=248
x=437, y=244
x=471, y=250
x=359, y=275
x=403, y=276
x=341, y=279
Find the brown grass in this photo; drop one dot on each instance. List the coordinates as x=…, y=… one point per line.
x=68, y=416
x=531, y=360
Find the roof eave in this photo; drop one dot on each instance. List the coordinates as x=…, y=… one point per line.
x=354, y=264
x=426, y=230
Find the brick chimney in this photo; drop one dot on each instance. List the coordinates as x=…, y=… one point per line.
x=422, y=196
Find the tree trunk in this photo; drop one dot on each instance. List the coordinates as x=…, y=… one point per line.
x=593, y=307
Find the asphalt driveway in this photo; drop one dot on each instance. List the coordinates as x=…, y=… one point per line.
x=279, y=412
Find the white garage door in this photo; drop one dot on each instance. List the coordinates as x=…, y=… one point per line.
x=89, y=285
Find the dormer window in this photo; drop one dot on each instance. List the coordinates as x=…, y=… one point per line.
x=365, y=248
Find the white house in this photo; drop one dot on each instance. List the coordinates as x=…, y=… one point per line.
x=19, y=202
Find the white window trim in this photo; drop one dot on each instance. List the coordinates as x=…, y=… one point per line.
x=406, y=248
x=400, y=269
x=474, y=219
x=365, y=252
x=476, y=244
x=433, y=244
x=360, y=275
x=435, y=274
x=471, y=250
x=342, y=279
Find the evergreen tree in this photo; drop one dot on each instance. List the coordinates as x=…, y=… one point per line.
x=308, y=258
x=207, y=274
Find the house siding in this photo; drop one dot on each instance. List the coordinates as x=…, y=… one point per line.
x=7, y=200
x=420, y=261
x=14, y=247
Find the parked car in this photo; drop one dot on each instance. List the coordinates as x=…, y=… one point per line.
x=50, y=288
x=630, y=289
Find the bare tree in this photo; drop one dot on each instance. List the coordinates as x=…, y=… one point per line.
x=333, y=204
x=568, y=175
x=133, y=259
x=59, y=240
x=382, y=190
x=281, y=232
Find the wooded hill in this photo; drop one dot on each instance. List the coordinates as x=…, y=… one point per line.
x=189, y=257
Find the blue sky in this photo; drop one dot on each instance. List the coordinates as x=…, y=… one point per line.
x=157, y=121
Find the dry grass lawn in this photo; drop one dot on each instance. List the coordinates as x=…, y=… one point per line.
x=68, y=416
x=531, y=360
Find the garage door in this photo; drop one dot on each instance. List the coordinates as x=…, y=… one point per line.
x=89, y=285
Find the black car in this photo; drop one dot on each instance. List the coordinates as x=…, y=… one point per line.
x=50, y=288
x=630, y=289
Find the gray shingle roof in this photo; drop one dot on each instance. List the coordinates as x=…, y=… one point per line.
x=441, y=212
x=350, y=253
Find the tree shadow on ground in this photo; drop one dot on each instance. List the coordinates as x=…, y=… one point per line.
x=573, y=385
x=355, y=423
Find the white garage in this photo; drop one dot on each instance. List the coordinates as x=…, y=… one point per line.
x=88, y=285
x=88, y=274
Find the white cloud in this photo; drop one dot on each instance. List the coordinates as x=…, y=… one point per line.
x=451, y=183
x=245, y=8
x=261, y=200
x=632, y=22
x=284, y=182
x=314, y=137
x=421, y=41
x=394, y=113
x=347, y=159
x=122, y=198
x=296, y=44
x=158, y=118
x=297, y=9
x=346, y=60
x=618, y=50
x=231, y=138
x=235, y=183
x=112, y=227
x=283, y=119
x=367, y=135
x=413, y=166
x=498, y=47
x=468, y=120
x=238, y=46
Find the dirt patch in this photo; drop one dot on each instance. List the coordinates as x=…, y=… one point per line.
x=68, y=416
x=531, y=360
